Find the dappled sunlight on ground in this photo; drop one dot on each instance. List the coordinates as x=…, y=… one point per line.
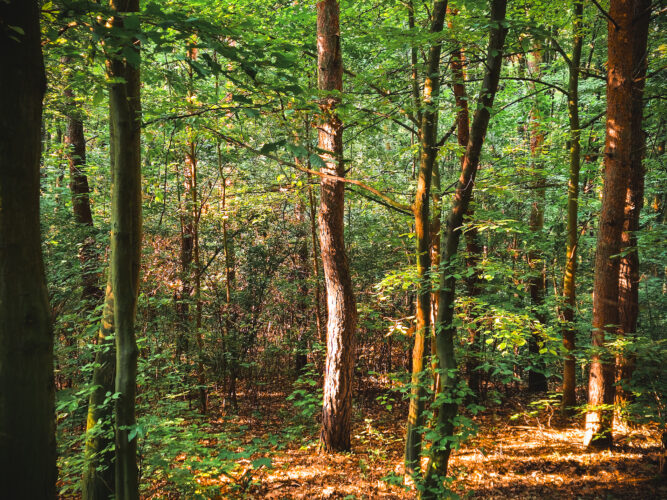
x=509, y=459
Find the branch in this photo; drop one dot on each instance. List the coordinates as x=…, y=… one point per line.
x=536, y=80
x=322, y=175
x=605, y=14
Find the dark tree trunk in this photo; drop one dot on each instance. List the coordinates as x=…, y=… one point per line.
x=617, y=159
x=125, y=105
x=428, y=130
x=569, y=278
x=445, y=329
x=27, y=421
x=342, y=311
x=628, y=281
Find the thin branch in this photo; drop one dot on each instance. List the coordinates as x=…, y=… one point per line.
x=379, y=194
x=605, y=14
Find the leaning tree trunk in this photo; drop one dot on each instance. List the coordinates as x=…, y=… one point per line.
x=342, y=310
x=124, y=98
x=428, y=130
x=617, y=157
x=437, y=469
x=27, y=423
x=628, y=281
x=570, y=275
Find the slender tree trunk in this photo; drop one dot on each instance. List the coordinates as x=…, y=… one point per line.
x=628, y=282
x=124, y=98
x=428, y=130
x=570, y=276
x=537, y=381
x=342, y=310
x=617, y=171
x=99, y=474
x=76, y=155
x=98, y=482
x=437, y=469
x=27, y=421
x=316, y=264
x=473, y=246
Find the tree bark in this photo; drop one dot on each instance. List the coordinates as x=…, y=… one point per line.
x=445, y=329
x=428, y=130
x=99, y=474
x=342, y=311
x=537, y=381
x=27, y=422
x=124, y=98
x=618, y=145
x=570, y=275
x=628, y=281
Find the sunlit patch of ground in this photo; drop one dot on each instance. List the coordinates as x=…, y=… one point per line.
x=523, y=459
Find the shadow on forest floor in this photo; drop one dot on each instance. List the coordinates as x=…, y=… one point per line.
x=506, y=460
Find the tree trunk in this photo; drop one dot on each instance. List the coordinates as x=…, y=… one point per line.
x=570, y=275
x=437, y=469
x=98, y=477
x=27, y=423
x=124, y=98
x=537, y=381
x=617, y=171
x=628, y=281
x=342, y=311
x=473, y=246
x=428, y=130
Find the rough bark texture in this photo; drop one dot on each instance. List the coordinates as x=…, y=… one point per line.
x=124, y=98
x=617, y=171
x=428, y=129
x=342, y=311
x=569, y=278
x=27, y=423
x=628, y=280
x=445, y=329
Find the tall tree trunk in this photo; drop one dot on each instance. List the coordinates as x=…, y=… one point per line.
x=76, y=156
x=98, y=482
x=537, y=381
x=27, y=421
x=628, y=281
x=99, y=474
x=473, y=246
x=570, y=275
x=428, y=130
x=617, y=159
x=437, y=469
x=342, y=310
x=124, y=98
x=316, y=264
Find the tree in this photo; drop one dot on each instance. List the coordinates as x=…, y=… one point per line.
x=428, y=137
x=622, y=38
x=570, y=274
x=27, y=433
x=628, y=279
x=445, y=328
x=342, y=309
x=125, y=105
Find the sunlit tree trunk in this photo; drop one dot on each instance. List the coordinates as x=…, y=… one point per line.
x=27, y=420
x=342, y=311
x=628, y=282
x=445, y=329
x=570, y=275
x=617, y=160
x=125, y=104
x=428, y=130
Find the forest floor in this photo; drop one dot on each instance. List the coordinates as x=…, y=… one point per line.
x=537, y=455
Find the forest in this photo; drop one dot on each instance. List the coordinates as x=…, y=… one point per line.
x=333, y=249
